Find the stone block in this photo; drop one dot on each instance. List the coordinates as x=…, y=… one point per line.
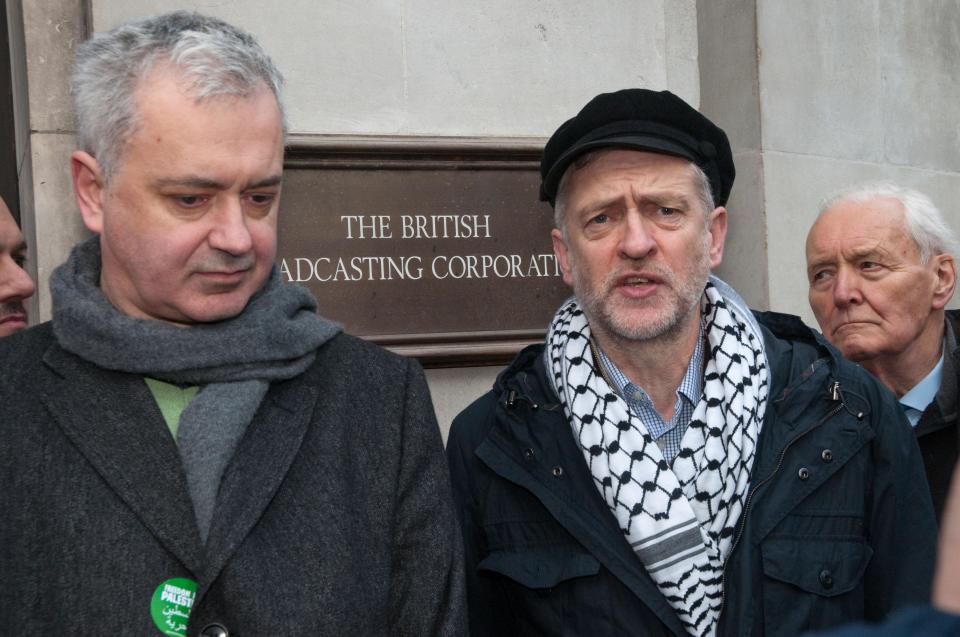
x=57, y=220
x=507, y=68
x=920, y=48
x=820, y=78
x=729, y=89
x=343, y=62
x=51, y=32
x=745, y=258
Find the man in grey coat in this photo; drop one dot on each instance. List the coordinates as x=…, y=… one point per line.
x=187, y=448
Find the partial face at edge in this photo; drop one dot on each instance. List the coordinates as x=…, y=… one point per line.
x=637, y=248
x=869, y=290
x=15, y=284
x=187, y=225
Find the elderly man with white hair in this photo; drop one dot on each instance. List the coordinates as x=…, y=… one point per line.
x=880, y=262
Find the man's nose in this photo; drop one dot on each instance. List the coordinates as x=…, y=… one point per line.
x=847, y=291
x=636, y=241
x=230, y=233
x=15, y=283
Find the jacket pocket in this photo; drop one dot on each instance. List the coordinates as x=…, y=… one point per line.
x=550, y=590
x=812, y=582
x=540, y=568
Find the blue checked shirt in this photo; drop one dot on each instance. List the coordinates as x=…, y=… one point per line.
x=667, y=434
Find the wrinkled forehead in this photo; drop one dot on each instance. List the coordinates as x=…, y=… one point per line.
x=880, y=219
x=853, y=232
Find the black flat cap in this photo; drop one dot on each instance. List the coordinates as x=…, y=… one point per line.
x=643, y=120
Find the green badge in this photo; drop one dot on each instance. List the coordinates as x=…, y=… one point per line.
x=170, y=605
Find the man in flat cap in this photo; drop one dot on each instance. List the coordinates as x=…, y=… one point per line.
x=667, y=462
x=188, y=448
x=880, y=262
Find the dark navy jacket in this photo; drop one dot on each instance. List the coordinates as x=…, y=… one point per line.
x=909, y=622
x=838, y=525
x=937, y=432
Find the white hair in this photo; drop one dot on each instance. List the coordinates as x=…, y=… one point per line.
x=211, y=56
x=923, y=221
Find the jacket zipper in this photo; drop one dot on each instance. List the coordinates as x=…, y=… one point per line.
x=835, y=395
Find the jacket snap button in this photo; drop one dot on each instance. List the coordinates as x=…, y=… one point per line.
x=214, y=630
x=804, y=473
x=826, y=578
x=528, y=454
x=557, y=472
x=826, y=455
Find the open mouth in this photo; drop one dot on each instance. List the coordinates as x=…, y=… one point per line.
x=638, y=286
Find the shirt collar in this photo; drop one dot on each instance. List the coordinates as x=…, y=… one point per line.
x=690, y=387
x=924, y=392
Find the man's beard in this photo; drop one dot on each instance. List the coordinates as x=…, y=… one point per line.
x=664, y=316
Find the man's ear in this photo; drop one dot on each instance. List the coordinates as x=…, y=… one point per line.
x=945, y=270
x=717, y=227
x=88, y=188
x=563, y=258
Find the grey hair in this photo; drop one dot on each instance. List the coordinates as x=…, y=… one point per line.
x=702, y=184
x=923, y=221
x=212, y=57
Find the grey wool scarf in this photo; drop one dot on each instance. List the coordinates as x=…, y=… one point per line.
x=274, y=338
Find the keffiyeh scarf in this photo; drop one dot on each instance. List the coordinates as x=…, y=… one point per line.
x=680, y=520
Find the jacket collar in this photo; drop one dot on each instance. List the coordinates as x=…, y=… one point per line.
x=947, y=398
x=114, y=422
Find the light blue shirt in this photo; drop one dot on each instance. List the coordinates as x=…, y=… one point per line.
x=666, y=434
x=922, y=394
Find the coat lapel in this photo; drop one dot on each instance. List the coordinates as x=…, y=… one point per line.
x=262, y=460
x=115, y=423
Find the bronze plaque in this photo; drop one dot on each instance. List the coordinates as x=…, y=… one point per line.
x=437, y=249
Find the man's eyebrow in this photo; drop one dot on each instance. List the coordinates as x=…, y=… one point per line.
x=203, y=183
x=854, y=254
x=598, y=203
x=668, y=199
x=816, y=264
x=188, y=181
x=873, y=251
x=272, y=180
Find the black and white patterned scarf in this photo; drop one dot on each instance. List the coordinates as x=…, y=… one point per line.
x=680, y=521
